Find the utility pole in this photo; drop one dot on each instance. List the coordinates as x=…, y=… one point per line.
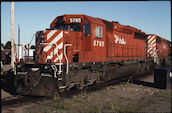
x=18, y=47
x=12, y=35
x=18, y=34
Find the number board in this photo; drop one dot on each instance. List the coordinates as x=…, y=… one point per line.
x=75, y=20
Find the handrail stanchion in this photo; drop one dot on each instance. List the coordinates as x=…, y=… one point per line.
x=67, y=62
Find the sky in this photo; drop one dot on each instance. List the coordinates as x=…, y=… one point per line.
x=152, y=17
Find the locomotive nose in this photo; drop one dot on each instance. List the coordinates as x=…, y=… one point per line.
x=50, y=46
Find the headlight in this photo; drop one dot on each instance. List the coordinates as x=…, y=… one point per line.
x=42, y=41
x=18, y=66
x=46, y=67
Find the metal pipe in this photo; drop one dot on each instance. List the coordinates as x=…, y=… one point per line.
x=55, y=70
x=60, y=65
x=28, y=54
x=18, y=43
x=25, y=52
x=67, y=62
x=22, y=51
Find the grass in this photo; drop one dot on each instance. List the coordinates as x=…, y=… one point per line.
x=95, y=103
x=81, y=105
x=163, y=94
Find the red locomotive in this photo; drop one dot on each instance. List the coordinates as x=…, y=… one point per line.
x=79, y=50
x=87, y=39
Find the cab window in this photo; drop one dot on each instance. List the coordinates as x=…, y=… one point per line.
x=75, y=27
x=99, y=32
x=63, y=27
x=87, y=29
x=60, y=27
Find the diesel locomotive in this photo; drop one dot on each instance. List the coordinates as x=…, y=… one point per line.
x=80, y=50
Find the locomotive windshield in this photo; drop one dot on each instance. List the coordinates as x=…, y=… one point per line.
x=73, y=27
x=60, y=27
x=63, y=27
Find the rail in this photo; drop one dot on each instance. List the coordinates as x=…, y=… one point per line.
x=18, y=101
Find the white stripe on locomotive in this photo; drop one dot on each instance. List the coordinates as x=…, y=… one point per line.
x=57, y=38
x=51, y=33
x=152, y=38
x=151, y=50
x=151, y=47
x=60, y=57
x=153, y=41
x=149, y=36
x=60, y=46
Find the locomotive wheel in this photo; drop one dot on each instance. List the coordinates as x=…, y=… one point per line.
x=139, y=69
x=143, y=68
x=98, y=80
x=81, y=85
x=148, y=67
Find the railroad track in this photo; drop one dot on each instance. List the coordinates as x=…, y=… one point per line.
x=16, y=101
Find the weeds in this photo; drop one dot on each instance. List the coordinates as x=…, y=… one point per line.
x=163, y=94
x=100, y=102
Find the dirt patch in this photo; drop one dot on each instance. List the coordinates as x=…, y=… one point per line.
x=5, y=94
x=5, y=67
x=124, y=97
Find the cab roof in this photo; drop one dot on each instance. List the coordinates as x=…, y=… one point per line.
x=97, y=21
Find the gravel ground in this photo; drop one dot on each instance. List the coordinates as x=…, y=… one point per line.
x=124, y=97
